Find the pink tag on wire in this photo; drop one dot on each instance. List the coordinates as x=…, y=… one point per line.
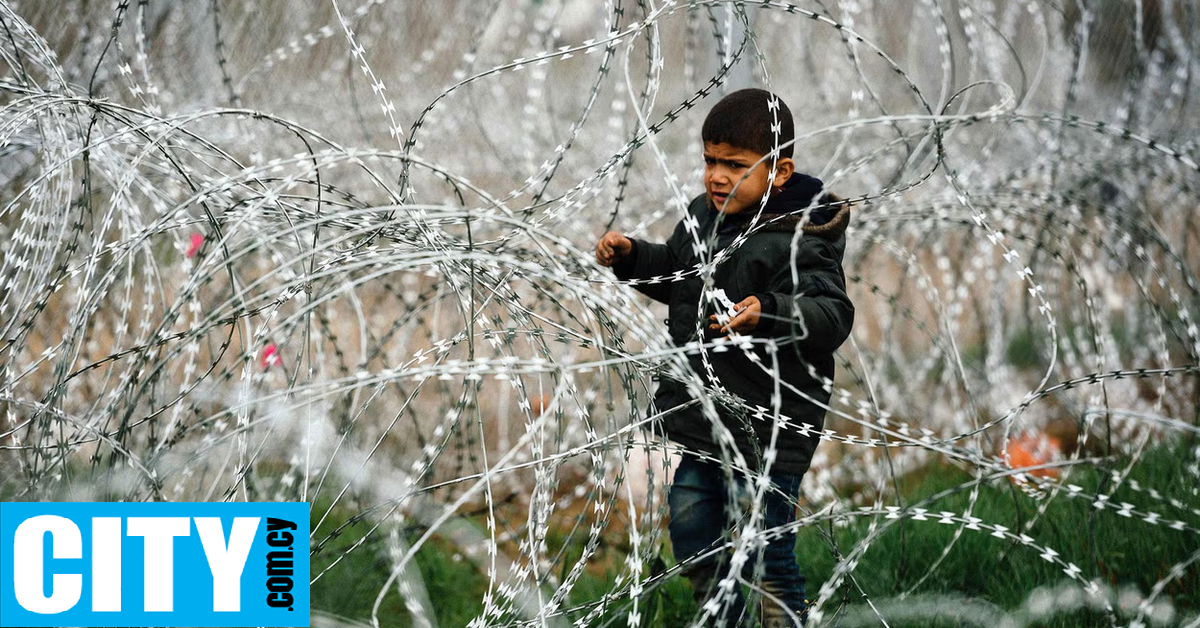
x=197, y=242
x=270, y=357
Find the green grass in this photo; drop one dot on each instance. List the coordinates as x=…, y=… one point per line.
x=350, y=587
x=980, y=569
x=1118, y=551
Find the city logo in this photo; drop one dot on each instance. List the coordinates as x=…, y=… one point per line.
x=154, y=564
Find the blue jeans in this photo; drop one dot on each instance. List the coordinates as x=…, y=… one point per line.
x=701, y=519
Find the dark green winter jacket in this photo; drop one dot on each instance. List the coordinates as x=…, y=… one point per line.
x=809, y=317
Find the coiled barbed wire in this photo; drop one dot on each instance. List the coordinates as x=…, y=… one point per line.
x=342, y=253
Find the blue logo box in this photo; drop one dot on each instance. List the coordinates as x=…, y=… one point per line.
x=154, y=564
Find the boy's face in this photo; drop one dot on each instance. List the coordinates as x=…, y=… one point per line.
x=727, y=167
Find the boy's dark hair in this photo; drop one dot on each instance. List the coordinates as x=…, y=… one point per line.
x=743, y=119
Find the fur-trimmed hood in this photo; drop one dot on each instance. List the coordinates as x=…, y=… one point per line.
x=828, y=218
x=787, y=207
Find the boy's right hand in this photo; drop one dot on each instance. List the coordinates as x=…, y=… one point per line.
x=611, y=248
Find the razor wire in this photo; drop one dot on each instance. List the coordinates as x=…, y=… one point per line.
x=342, y=253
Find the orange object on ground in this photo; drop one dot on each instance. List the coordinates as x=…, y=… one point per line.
x=1033, y=449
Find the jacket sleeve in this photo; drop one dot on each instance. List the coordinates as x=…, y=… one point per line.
x=814, y=310
x=648, y=259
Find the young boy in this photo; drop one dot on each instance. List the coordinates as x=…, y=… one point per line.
x=794, y=293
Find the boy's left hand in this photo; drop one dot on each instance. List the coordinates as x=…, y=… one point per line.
x=749, y=310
